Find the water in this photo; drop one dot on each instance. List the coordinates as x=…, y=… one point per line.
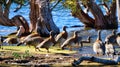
x=61, y=17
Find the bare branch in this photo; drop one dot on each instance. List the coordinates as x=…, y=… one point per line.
x=105, y=7
x=58, y=1
x=19, y=7
x=98, y=60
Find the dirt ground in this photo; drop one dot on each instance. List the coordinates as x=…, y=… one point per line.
x=59, y=59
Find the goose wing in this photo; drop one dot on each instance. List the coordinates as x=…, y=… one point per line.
x=42, y=43
x=67, y=42
x=59, y=36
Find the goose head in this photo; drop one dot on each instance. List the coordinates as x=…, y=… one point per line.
x=64, y=27
x=89, y=38
x=99, y=35
x=52, y=37
x=75, y=33
x=113, y=32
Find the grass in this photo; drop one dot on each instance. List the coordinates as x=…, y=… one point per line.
x=22, y=49
x=53, y=50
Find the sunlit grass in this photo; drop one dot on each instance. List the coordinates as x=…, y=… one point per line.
x=22, y=49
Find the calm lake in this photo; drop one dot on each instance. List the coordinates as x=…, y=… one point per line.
x=61, y=17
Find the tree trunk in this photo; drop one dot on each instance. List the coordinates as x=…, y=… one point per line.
x=17, y=20
x=111, y=18
x=34, y=14
x=118, y=9
x=100, y=21
x=20, y=21
x=42, y=17
x=82, y=16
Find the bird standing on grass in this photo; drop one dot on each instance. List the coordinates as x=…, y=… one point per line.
x=33, y=42
x=98, y=45
x=11, y=40
x=1, y=41
x=60, y=38
x=28, y=38
x=71, y=41
x=46, y=43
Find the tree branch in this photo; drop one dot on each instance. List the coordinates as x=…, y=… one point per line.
x=58, y=1
x=19, y=7
x=106, y=8
x=85, y=18
x=98, y=60
x=7, y=8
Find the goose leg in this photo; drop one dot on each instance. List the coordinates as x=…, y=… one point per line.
x=112, y=55
x=47, y=50
x=59, y=44
x=1, y=46
x=77, y=45
x=81, y=44
x=107, y=55
x=70, y=48
x=37, y=49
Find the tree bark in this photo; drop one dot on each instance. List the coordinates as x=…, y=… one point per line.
x=17, y=20
x=34, y=14
x=82, y=16
x=98, y=60
x=42, y=17
x=100, y=21
x=20, y=21
x=118, y=9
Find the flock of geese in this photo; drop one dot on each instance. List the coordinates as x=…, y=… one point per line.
x=62, y=40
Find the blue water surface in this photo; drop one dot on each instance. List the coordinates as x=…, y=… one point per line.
x=61, y=17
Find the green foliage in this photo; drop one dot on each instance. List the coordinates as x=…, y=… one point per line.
x=20, y=1
x=21, y=56
x=7, y=3
x=26, y=54
x=70, y=4
x=16, y=55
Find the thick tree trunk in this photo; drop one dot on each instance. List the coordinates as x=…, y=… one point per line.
x=100, y=21
x=83, y=17
x=20, y=21
x=17, y=20
x=3, y=19
x=42, y=17
x=111, y=17
x=34, y=14
x=118, y=9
